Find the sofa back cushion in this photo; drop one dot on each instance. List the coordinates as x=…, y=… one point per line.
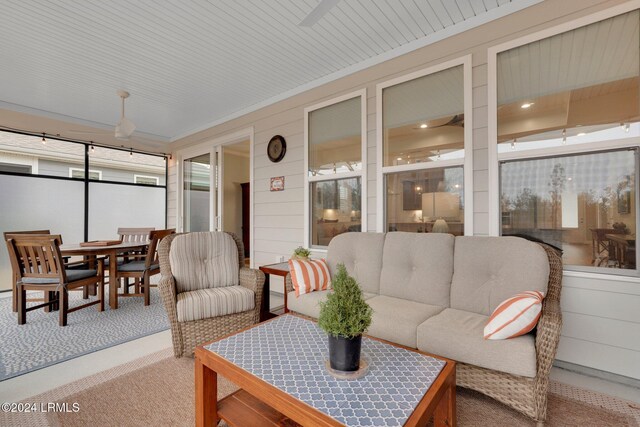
x=418, y=267
x=488, y=270
x=204, y=260
x=361, y=254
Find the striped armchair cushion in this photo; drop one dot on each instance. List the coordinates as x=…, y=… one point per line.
x=214, y=302
x=204, y=260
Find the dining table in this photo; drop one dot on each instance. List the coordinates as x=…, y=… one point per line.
x=110, y=252
x=621, y=244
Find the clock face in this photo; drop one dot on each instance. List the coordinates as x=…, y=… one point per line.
x=277, y=148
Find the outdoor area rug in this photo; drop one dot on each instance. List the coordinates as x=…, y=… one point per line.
x=41, y=342
x=158, y=390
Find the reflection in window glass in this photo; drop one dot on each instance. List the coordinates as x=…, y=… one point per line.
x=584, y=204
x=573, y=88
x=423, y=119
x=335, y=138
x=197, y=188
x=30, y=154
x=336, y=209
x=426, y=201
x=123, y=166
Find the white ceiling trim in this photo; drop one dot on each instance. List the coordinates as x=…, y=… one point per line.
x=457, y=28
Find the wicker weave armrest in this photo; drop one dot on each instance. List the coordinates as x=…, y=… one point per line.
x=288, y=284
x=548, y=335
x=253, y=279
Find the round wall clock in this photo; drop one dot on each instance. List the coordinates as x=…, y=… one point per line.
x=276, y=149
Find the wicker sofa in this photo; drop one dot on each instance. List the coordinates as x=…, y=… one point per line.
x=435, y=292
x=198, y=271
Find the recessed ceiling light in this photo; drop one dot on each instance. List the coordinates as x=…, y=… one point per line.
x=569, y=179
x=526, y=105
x=399, y=158
x=423, y=126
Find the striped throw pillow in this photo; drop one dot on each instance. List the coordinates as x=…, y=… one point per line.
x=514, y=317
x=309, y=275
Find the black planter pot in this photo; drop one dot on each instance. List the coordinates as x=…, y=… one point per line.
x=344, y=353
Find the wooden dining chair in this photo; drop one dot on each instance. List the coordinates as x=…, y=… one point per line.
x=39, y=264
x=142, y=267
x=14, y=274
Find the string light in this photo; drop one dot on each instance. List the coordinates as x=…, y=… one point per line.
x=564, y=136
x=44, y=141
x=130, y=152
x=513, y=143
x=626, y=127
x=93, y=149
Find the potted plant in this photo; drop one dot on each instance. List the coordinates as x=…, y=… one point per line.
x=344, y=316
x=301, y=253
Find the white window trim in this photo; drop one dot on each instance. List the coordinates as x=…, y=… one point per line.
x=466, y=162
x=494, y=158
x=22, y=160
x=362, y=174
x=135, y=178
x=71, y=170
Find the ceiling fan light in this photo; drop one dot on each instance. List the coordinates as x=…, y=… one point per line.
x=124, y=129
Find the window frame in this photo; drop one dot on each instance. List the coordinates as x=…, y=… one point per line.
x=136, y=176
x=362, y=173
x=466, y=162
x=495, y=158
x=72, y=170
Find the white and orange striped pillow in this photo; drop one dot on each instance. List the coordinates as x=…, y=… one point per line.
x=514, y=317
x=309, y=275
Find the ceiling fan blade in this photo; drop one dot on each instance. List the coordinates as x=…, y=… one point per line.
x=316, y=14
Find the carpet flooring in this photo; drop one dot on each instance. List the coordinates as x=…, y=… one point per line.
x=158, y=390
x=41, y=342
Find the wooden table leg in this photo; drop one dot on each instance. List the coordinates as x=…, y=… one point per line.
x=445, y=414
x=266, y=305
x=206, y=395
x=113, y=281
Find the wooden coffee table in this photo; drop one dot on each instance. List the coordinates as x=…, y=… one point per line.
x=279, y=366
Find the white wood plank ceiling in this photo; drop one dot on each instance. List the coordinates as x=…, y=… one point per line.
x=189, y=65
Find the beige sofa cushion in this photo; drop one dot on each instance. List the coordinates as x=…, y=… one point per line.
x=204, y=260
x=418, y=267
x=457, y=335
x=308, y=304
x=488, y=270
x=361, y=254
x=214, y=302
x=397, y=320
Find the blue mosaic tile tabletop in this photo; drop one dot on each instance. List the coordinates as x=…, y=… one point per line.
x=289, y=353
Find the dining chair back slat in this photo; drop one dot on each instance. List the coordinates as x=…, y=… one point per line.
x=140, y=234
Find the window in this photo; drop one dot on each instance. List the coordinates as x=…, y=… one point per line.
x=421, y=143
x=15, y=168
x=335, y=177
x=79, y=174
x=123, y=165
x=147, y=180
x=567, y=134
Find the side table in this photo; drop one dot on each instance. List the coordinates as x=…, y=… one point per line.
x=279, y=269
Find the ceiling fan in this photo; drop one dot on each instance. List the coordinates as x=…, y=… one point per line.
x=318, y=12
x=457, y=120
x=125, y=127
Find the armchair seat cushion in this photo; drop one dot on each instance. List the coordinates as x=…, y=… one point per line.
x=214, y=302
x=136, y=266
x=459, y=335
x=72, y=276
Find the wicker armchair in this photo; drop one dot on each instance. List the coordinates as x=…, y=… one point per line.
x=187, y=335
x=526, y=395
